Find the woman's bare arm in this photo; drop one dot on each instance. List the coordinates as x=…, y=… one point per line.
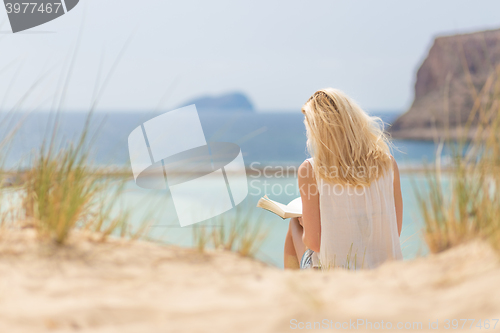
x=398, y=198
x=310, y=207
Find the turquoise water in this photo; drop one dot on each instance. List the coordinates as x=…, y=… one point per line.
x=265, y=139
x=158, y=209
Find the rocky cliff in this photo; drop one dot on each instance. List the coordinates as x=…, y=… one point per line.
x=444, y=89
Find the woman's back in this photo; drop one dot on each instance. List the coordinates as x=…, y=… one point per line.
x=358, y=224
x=352, y=207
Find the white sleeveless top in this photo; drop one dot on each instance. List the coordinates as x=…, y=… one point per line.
x=358, y=224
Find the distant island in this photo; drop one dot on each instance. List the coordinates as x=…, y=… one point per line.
x=230, y=102
x=444, y=89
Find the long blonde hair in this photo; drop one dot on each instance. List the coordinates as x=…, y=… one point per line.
x=348, y=146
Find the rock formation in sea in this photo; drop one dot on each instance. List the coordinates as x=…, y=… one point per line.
x=228, y=102
x=455, y=67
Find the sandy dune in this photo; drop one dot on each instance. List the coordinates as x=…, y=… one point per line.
x=121, y=286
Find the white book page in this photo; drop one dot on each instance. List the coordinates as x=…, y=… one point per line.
x=294, y=207
x=284, y=208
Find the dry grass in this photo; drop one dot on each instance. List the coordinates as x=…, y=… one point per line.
x=241, y=233
x=63, y=192
x=464, y=203
x=8, y=129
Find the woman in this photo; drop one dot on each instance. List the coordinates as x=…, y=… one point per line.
x=352, y=207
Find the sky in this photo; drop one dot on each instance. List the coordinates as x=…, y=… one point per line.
x=276, y=52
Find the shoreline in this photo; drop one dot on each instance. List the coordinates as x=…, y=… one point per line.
x=269, y=171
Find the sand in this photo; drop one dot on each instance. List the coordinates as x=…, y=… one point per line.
x=124, y=286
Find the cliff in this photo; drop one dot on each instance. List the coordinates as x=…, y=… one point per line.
x=444, y=89
x=227, y=102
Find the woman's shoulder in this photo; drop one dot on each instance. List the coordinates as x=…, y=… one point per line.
x=307, y=164
x=306, y=169
x=394, y=164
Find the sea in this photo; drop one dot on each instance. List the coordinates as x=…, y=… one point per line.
x=267, y=139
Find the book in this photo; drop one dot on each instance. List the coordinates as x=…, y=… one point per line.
x=293, y=209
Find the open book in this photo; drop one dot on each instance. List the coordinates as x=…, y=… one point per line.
x=293, y=209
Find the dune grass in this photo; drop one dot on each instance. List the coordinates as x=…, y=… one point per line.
x=64, y=191
x=463, y=203
x=241, y=233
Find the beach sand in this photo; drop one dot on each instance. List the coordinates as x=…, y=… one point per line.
x=135, y=286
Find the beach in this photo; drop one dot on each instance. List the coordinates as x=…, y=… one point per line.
x=136, y=286
x=136, y=140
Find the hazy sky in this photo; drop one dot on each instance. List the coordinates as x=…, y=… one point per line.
x=277, y=52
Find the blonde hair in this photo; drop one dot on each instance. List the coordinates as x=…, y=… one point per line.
x=348, y=146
